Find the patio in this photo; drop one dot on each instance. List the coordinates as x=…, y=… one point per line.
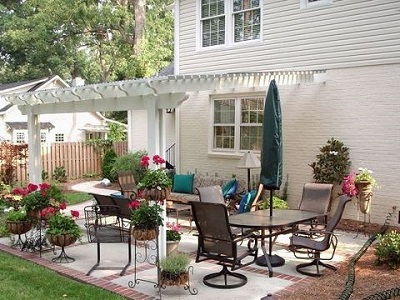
x=259, y=285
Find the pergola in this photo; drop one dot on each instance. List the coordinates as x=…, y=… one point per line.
x=156, y=95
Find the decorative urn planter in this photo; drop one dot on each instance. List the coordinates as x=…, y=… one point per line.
x=364, y=196
x=172, y=247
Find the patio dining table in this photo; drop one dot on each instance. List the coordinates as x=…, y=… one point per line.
x=282, y=222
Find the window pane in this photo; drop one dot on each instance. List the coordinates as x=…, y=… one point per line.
x=59, y=137
x=224, y=111
x=250, y=138
x=213, y=31
x=224, y=137
x=210, y=8
x=247, y=18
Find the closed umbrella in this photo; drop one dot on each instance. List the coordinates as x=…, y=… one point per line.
x=271, y=154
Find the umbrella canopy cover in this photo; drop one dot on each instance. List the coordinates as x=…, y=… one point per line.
x=271, y=152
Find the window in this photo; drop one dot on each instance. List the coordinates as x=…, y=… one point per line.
x=59, y=137
x=43, y=137
x=314, y=3
x=224, y=22
x=20, y=137
x=238, y=123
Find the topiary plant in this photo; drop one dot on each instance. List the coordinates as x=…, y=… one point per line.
x=108, y=163
x=332, y=163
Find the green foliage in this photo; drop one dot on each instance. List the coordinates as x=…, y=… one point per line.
x=175, y=263
x=108, y=163
x=45, y=175
x=146, y=216
x=59, y=224
x=130, y=162
x=100, y=145
x=116, y=132
x=60, y=174
x=277, y=203
x=16, y=215
x=365, y=174
x=40, y=198
x=158, y=178
x=332, y=163
x=41, y=38
x=388, y=249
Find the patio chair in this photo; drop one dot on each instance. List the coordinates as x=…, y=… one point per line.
x=302, y=242
x=127, y=184
x=211, y=194
x=100, y=231
x=216, y=242
x=316, y=197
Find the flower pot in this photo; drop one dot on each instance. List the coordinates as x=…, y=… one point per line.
x=172, y=247
x=168, y=278
x=62, y=240
x=33, y=214
x=18, y=227
x=156, y=194
x=364, y=196
x=144, y=234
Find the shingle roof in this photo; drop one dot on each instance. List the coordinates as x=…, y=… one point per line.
x=24, y=125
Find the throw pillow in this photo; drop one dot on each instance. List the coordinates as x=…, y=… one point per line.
x=243, y=202
x=230, y=188
x=183, y=184
x=250, y=200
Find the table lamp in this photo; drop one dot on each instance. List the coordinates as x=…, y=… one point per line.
x=249, y=161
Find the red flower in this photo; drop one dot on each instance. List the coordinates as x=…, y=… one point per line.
x=63, y=206
x=44, y=186
x=48, y=211
x=75, y=213
x=32, y=187
x=134, y=204
x=158, y=160
x=145, y=161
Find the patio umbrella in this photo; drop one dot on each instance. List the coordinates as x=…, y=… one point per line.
x=271, y=154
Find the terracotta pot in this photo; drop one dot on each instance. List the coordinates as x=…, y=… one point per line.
x=156, y=194
x=172, y=247
x=144, y=234
x=364, y=196
x=62, y=240
x=18, y=227
x=168, y=278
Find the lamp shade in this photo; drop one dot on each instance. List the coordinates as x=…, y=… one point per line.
x=249, y=161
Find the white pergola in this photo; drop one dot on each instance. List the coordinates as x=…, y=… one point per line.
x=153, y=94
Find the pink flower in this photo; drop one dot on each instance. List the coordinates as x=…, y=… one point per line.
x=74, y=213
x=348, y=186
x=145, y=161
x=158, y=160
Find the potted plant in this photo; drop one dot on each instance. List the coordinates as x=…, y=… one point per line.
x=145, y=219
x=173, y=237
x=17, y=221
x=35, y=198
x=174, y=269
x=62, y=229
x=155, y=183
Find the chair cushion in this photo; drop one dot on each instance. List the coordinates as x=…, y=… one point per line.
x=183, y=184
x=230, y=188
x=246, y=201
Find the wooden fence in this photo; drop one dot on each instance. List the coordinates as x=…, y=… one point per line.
x=77, y=158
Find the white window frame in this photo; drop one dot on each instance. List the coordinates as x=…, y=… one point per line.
x=237, y=122
x=229, y=27
x=58, y=136
x=43, y=137
x=18, y=135
x=304, y=4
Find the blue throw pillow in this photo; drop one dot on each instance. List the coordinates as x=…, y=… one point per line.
x=250, y=200
x=229, y=189
x=183, y=184
x=243, y=202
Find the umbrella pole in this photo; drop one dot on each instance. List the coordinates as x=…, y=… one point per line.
x=271, y=203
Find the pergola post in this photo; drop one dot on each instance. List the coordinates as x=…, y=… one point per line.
x=34, y=149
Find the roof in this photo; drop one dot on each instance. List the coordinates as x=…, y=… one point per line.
x=24, y=125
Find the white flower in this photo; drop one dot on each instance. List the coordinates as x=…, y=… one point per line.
x=333, y=152
x=9, y=209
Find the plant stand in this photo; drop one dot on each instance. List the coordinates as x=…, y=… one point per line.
x=62, y=241
x=63, y=257
x=366, y=221
x=150, y=253
x=36, y=240
x=178, y=279
x=19, y=228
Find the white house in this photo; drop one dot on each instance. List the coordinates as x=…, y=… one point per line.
x=352, y=45
x=337, y=65
x=59, y=127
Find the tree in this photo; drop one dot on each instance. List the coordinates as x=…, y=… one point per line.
x=100, y=40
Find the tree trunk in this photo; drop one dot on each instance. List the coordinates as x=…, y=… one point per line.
x=140, y=24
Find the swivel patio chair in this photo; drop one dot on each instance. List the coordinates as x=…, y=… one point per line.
x=216, y=242
x=309, y=246
x=316, y=197
x=127, y=184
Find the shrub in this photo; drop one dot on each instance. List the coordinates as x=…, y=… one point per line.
x=332, y=163
x=388, y=249
x=277, y=203
x=175, y=263
x=130, y=162
x=60, y=174
x=108, y=163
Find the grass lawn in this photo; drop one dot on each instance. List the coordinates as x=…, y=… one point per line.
x=77, y=197
x=22, y=279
